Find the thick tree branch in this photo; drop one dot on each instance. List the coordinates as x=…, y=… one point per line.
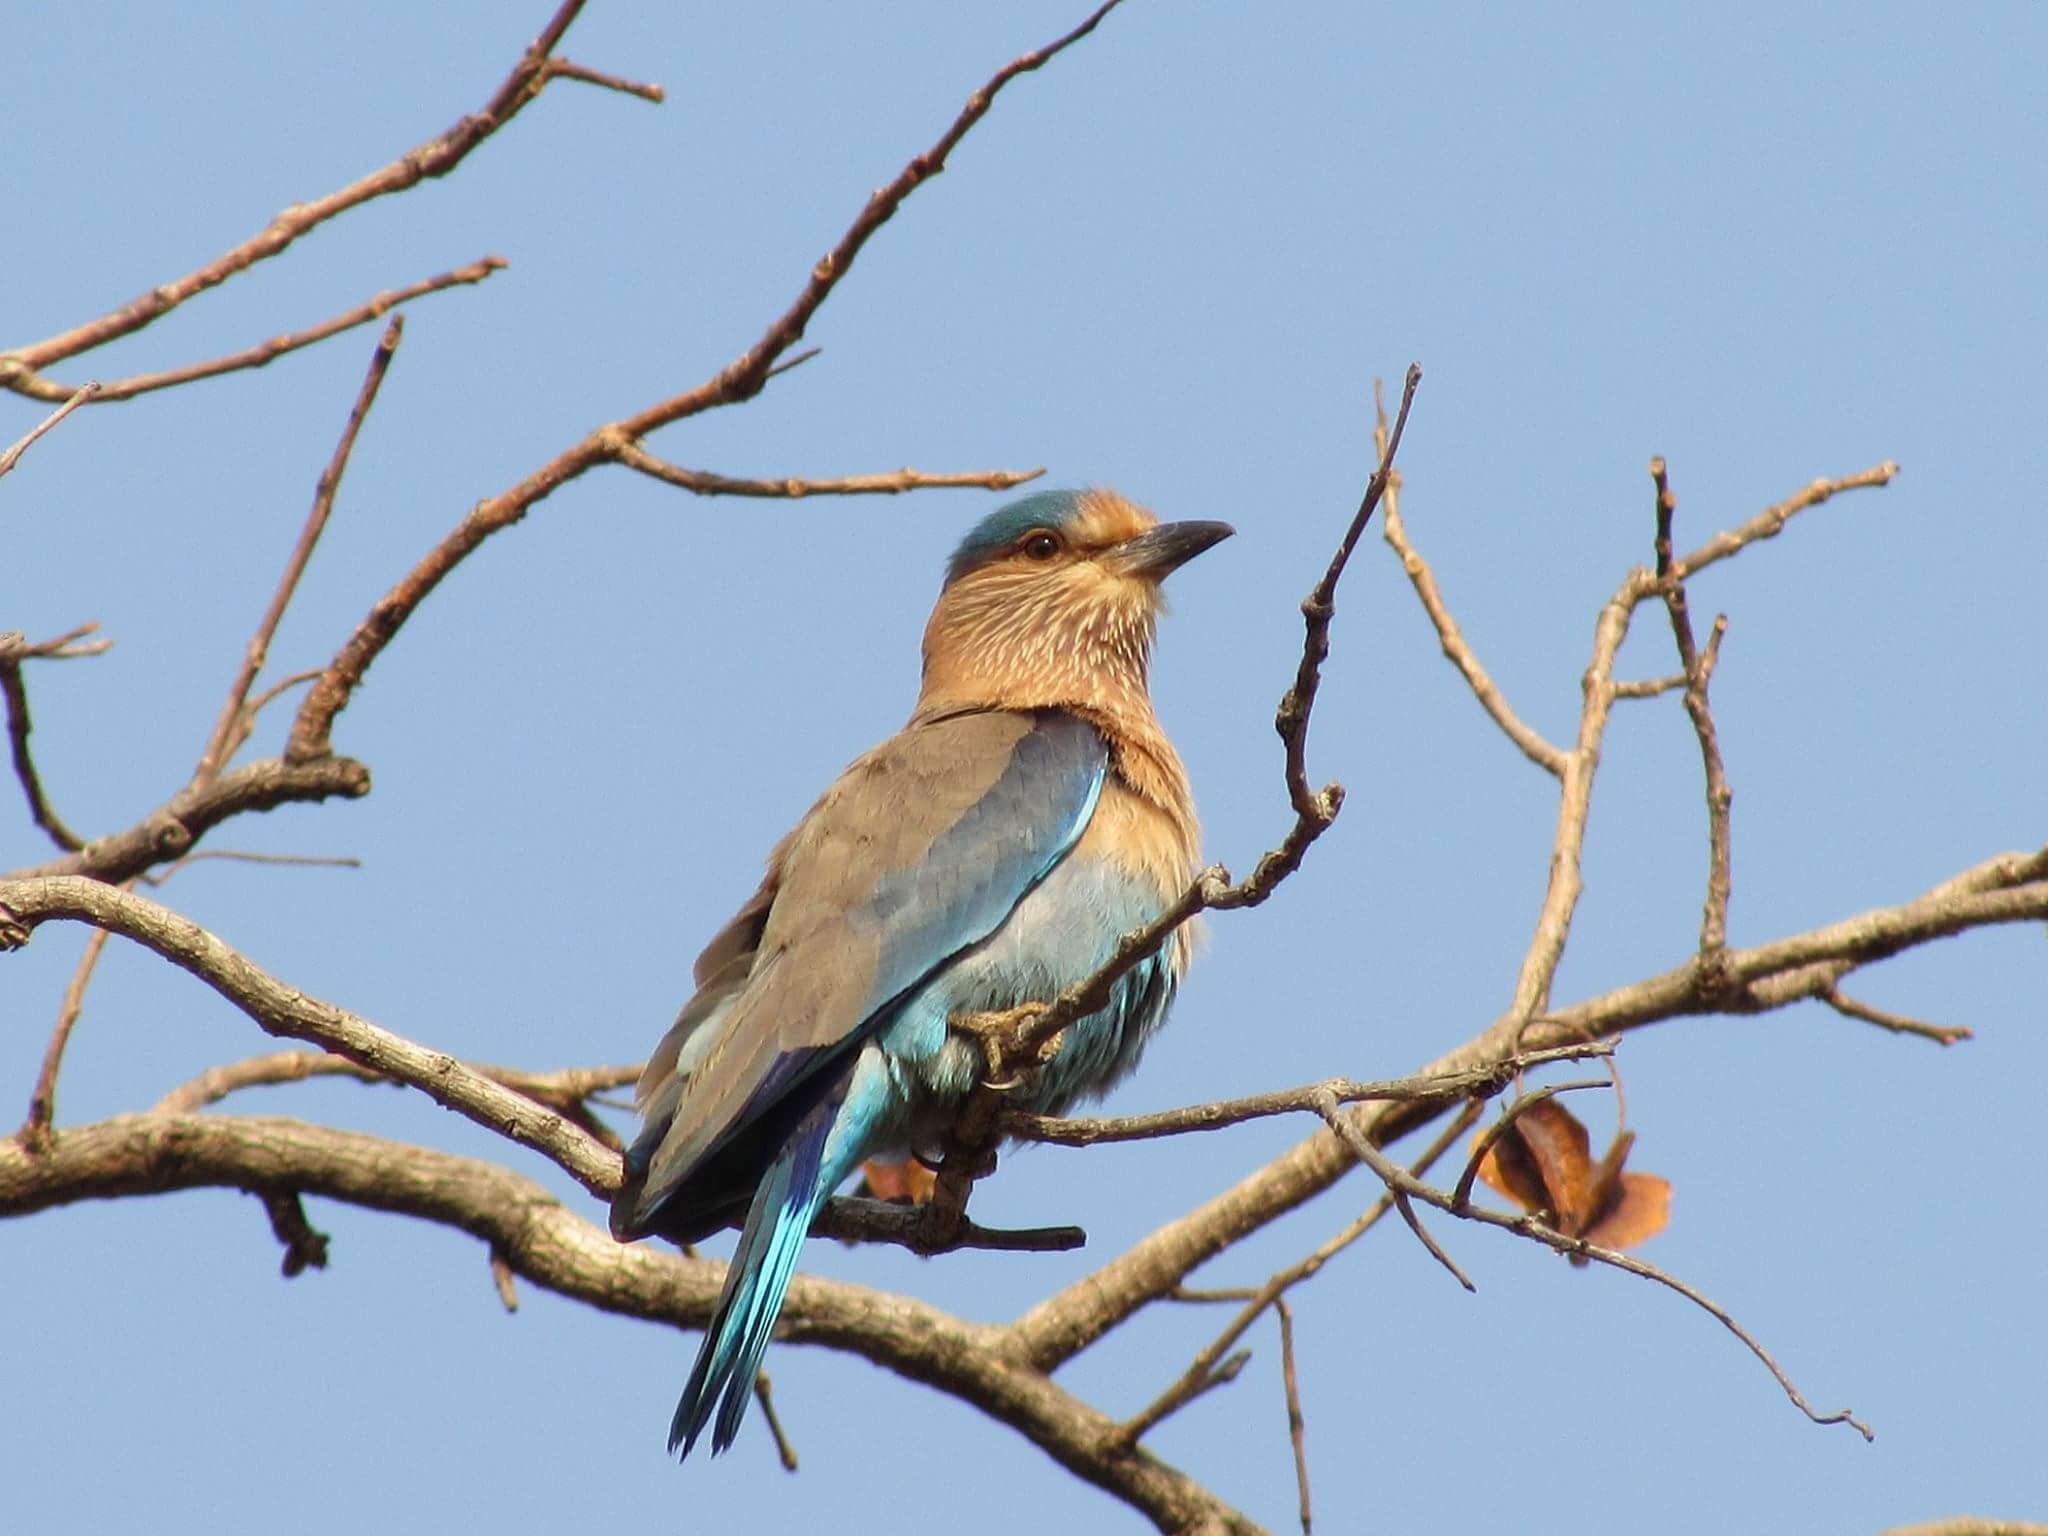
x=282, y=1010
x=546, y=1245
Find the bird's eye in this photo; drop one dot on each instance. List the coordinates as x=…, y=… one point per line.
x=1042, y=545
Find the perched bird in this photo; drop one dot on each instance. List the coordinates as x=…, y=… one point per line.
x=1030, y=814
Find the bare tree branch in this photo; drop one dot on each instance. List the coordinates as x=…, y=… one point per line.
x=1297, y=1425
x=169, y=832
x=1897, y=1023
x=1181, y=1391
x=436, y=157
x=559, y=1089
x=789, y=488
x=72, y=399
x=42, y=1100
x=1457, y=650
x=282, y=1010
x=739, y=380
x=266, y=352
x=1401, y=1183
x=1770, y=522
x=1698, y=671
x=226, y=729
x=1362, y=1149
x=14, y=650
x=548, y=1246
x=1481, y=1083
x=249, y=856
x=1657, y=687
x=562, y=69
x=764, y=1396
x=2007, y=889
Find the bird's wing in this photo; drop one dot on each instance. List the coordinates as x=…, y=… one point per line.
x=920, y=850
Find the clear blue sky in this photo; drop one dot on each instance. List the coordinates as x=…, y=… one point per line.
x=1771, y=244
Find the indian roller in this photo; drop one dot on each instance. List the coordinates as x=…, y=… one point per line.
x=990, y=854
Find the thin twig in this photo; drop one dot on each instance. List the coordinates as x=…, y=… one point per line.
x=246, y=856
x=436, y=157
x=1194, y=1384
x=266, y=352
x=14, y=645
x=78, y=397
x=705, y=483
x=1390, y=1175
x=503, y=1281
x=1297, y=1426
x=225, y=729
x=170, y=831
x=19, y=724
x=1698, y=672
x=1317, y=611
x=304, y=1247
x=280, y=687
x=1457, y=650
x=562, y=69
x=42, y=1099
x=764, y=1395
x=1462, y=1195
x=1401, y=1183
x=1650, y=687
x=1770, y=522
x=1657, y=687
x=275, y=1068
x=1256, y=1301
x=1481, y=1083
x=1897, y=1023
x=283, y=1010
x=742, y=379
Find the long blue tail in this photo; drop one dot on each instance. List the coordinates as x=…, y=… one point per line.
x=737, y=1336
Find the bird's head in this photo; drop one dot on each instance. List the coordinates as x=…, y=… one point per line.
x=1052, y=600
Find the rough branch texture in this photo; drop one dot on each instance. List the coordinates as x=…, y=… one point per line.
x=545, y=1244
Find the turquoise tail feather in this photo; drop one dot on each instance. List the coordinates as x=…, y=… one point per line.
x=756, y=1282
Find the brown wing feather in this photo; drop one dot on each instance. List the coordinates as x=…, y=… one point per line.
x=809, y=978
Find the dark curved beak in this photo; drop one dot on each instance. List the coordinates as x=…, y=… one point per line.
x=1158, y=552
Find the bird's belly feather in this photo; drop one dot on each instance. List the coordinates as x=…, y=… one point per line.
x=1063, y=931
